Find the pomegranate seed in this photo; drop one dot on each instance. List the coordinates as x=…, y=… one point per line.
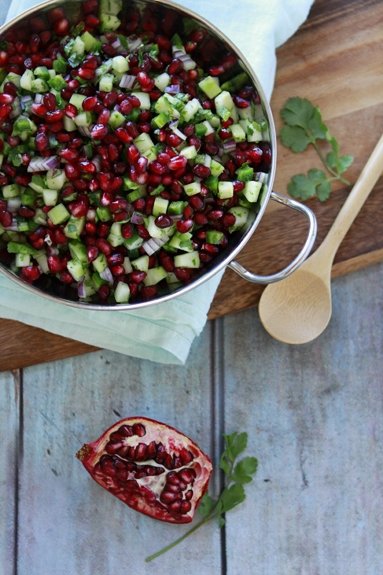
x=104, y=246
x=201, y=171
x=89, y=103
x=163, y=221
x=86, y=73
x=61, y=27
x=103, y=117
x=137, y=276
x=178, y=162
x=6, y=98
x=254, y=155
x=184, y=226
x=30, y=273
x=92, y=253
x=99, y=131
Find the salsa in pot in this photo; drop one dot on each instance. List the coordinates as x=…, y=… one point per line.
x=131, y=151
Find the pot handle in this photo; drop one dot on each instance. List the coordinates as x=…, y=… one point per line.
x=255, y=278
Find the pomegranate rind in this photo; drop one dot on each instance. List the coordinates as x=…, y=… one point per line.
x=144, y=493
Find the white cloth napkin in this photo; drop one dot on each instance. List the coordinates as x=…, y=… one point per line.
x=165, y=332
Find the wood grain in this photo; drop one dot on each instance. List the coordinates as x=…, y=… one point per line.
x=314, y=418
x=335, y=60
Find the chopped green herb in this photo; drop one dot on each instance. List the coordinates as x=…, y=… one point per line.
x=303, y=125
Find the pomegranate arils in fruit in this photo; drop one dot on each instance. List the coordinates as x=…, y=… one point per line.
x=150, y=466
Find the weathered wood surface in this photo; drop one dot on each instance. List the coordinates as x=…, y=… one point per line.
x=313, y=414
x=334, y=60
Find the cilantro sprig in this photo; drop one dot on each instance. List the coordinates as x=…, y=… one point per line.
x=237, y=473
x=304, y=126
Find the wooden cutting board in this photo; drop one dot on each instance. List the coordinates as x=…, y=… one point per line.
x=335, y=60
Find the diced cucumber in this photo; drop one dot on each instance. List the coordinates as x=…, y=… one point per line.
x=177, y=207
x=115, y=238
x=210, y=86
x=160, y=120
x=91, y=44
x=28, y=197
x=83, y=119
x=122, y=292
x=22, y=260
x=141, y=264
x=50, y=197
x=181, y=242
x=155, y=275
x=214, y=237
x=37, y=183
x=106, y=83
x=143, y=142
x=39, y=86
x=190, y=152
x=14, y=247
x=55, y=179
x=74, y=227
x=204, y=129
x=190, y=110
x=225, y=190
x=241, y=215
x=187, y=260
x=100, y=263
x=216, y=168
x=160, y=206
x=162, y=80
x=11, y=191
x=144, y=98
x=192, y=188
x=238, y=133
x=251, y=191
x=69, y=124
x=245, y=173
x=77, y=100
x=76, y=270
x=120, y=64
x=42, y=260
x=116, y=119
x=103, y=213
x=127, y=265
x=78, y=251
x=110, y=6
x=134, y=242
x=26, y=80
x=224, y=105
x=252, y=130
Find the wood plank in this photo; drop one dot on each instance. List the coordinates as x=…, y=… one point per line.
x=10, y=389
x=69, y=524
x=334, y=60
x=313, y=414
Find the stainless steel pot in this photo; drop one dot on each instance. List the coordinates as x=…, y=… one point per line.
x=227, y=258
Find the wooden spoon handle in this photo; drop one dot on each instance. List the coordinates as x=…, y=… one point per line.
x=355, y=200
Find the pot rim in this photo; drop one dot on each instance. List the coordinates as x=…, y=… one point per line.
x=232, y=252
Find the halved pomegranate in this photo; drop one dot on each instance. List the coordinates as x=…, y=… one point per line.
x=150, y=466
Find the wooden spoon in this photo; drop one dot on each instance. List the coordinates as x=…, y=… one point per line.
x=297, y=309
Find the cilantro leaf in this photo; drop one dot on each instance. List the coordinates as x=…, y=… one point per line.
x=306, y=186
x=304, y=126
x=295, y=138
x=232, y=496
x=245, y=469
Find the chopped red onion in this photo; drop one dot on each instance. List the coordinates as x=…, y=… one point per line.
x=127, y=81
x=152, y=245
x=137, y=218
x=229, y=146
x=107, y=276
x=173, y=89
x=81, y=291
x=39, y=164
